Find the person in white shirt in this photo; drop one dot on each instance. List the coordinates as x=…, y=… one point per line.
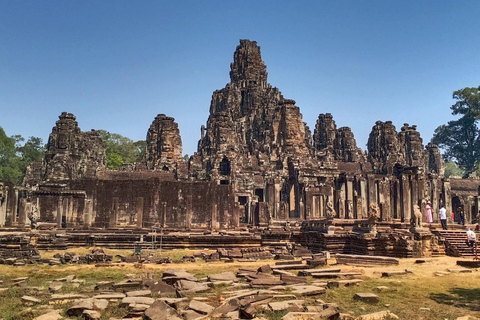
x=471, y=239
x=443, y=217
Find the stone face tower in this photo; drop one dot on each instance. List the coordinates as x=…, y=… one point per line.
x=72, y=154
x=250, y=125
x=164, y=144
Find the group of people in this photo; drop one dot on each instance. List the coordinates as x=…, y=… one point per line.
x=442, y=215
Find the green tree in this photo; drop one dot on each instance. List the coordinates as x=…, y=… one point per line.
x=460, y=139
x=451, y=169
x=120, y=149
x=32, y=151
x=9, y=160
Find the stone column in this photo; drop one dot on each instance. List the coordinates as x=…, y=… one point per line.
x=15, y=208
x=164, y=214
x=87, y=220
x=70, y=218
x=385, y=200
x=448, y=198
x=372, y=191
x=364, y=200
x=59, y=211
x=3, y=207
x=341, y=202
x=407, y=209
x=188, y=223
x=214, y=219
x=276, y=196
x=112, y=217
x=139, y=211
x=350, y=199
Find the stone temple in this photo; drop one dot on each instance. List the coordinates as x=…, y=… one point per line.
x=258, y=165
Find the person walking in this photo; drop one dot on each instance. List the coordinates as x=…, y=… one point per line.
x=471, y=239
x=429, y=213
x=442, y=214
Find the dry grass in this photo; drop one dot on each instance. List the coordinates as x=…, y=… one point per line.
x=419, y=295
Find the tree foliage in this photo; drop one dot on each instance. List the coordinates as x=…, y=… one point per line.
x=15, y=157
x=452, y=170
x=120, y=149
x=460, y=138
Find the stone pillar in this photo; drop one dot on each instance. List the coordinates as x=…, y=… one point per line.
x=372, y=191
x=70, y=217
x=341, y=202
x=364, y=200
x=214, y=219
x=59, y=211
x=437, y=200
x=164, y=214
x=349, y=197
x=414, y=195
x=188, y=223
x=385, y=204
x=112, y=217
x=407, y=209
x=276, y=196
x=292, y=202
x=321, y=206
x=139, y=211
x=448, y=198
x=87, y=220
x=3, y=207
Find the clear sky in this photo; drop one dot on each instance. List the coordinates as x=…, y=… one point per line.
x=117, y=64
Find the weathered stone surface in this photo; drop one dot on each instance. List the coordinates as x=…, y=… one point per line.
x=307, y=290
x=226, y=307
x=52, y=315
x=91, y=315
x=159, y=310
x=290, y=305
x=139, y=293
x=192, y=315
x=159, y=287
x=224, y=276
x=392, y=273
x=30, y=300
x=200, y=307
x=366, y=297
x=66, y=297
x=110, y=296
x=137, y=300
x=292, y=279
x=343, y=283
x=177, y=303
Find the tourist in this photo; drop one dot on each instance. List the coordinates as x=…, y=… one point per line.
x=428, y=210
x=443, y=217
x=461, y=217
x=471, y=239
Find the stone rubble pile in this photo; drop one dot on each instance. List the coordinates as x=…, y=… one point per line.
x=178, y=294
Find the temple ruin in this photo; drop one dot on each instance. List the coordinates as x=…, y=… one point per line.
x=258, y=165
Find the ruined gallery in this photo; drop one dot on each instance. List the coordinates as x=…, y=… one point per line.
x=259, y=177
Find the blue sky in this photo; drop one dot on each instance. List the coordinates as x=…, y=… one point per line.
x=117, y=64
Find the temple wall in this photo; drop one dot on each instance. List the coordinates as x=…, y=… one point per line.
x=146, y=204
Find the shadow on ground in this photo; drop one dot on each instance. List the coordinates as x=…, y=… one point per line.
x=460, y=298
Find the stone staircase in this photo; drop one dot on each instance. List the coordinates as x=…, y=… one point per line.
x=455, y=243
